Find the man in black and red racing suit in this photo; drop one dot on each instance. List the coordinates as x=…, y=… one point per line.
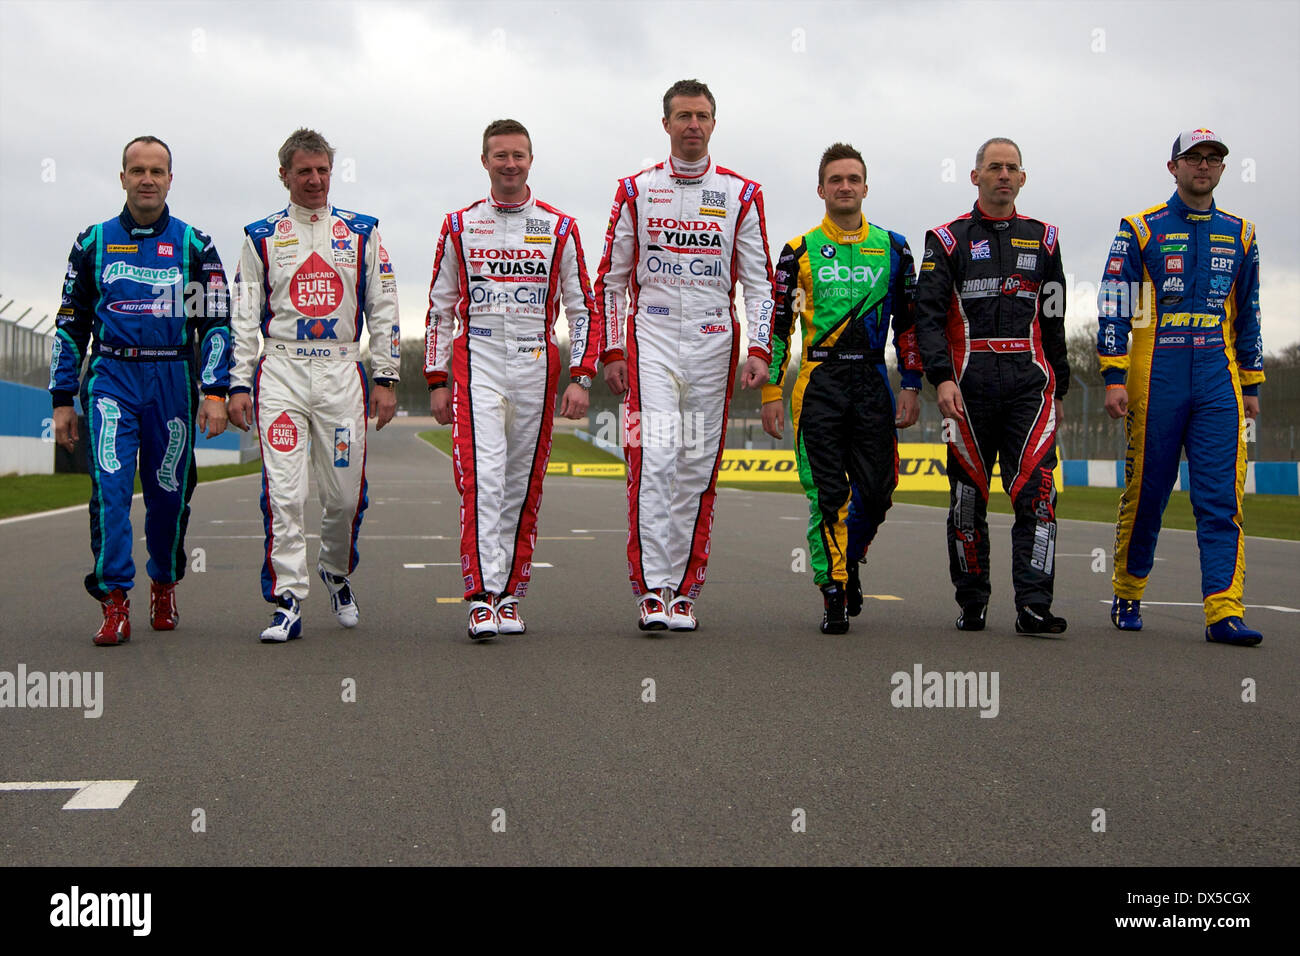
x=990, y=321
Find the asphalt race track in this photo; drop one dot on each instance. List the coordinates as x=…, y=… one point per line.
x=766, y=742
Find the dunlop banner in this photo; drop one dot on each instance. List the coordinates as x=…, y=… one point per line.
x=601, y=469
x=921, y=467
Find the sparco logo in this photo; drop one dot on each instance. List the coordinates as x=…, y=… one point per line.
x=124, y=270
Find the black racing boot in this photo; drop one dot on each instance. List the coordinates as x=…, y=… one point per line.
x=835, y=620
x=853, y=591
x=1039, y=619
x=972, y=616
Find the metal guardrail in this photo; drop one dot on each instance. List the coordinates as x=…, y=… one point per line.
x=25, y=344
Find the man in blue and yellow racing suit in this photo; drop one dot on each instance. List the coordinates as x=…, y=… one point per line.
x=1183, y=277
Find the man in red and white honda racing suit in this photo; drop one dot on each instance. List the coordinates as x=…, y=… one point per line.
x=305, y=275
x=502, y=268
x=681, y=234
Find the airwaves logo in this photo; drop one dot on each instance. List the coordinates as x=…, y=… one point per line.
x=116, y=271
x=176, y=433
x=209, y=376
x=106, y=450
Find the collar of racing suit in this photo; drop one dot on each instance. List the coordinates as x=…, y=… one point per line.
x=512, y=207
x=681, y=169
x=303, y=214
x=838, y=235
x=979, y=213
x=1182, y=210
x=155, y=228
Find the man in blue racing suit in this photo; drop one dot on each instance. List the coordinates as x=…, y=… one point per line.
x=143, y=284
x=1183, y=277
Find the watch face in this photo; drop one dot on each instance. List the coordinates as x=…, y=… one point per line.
x=583, y=380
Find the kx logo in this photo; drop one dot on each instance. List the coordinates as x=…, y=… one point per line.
x=342, y=244
x=317, y=328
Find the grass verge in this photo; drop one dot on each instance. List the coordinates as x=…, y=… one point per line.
x=1269, y=516
x=26, y=494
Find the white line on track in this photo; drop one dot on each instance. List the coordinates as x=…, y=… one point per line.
x=90, y=795
x=1061, y=555
x=1263, y=607
x=363, y=537
x=417, y=565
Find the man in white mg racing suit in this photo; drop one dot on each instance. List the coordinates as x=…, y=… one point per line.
x=305, y=275
x=681, y=234
x=502, y=268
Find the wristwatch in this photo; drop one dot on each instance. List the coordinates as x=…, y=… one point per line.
x=583, y=380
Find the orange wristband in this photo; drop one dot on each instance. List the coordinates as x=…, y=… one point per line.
x=1109, y=387
x=214, y=398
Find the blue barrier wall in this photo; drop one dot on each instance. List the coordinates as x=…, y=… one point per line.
x=1262, y=477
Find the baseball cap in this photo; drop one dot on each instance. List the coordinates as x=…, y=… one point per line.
x=1195, y=137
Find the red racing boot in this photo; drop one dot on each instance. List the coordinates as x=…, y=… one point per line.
x=162, y=606
x=116, y=628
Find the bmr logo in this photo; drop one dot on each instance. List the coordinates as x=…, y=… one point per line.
x=317, y=328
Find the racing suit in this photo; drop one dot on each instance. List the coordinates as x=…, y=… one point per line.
x=675, y=248
x=1186, y=283
x=305, y=276
x=844, y=288
x=143, y=292
x=990, y=315
x=499, y=277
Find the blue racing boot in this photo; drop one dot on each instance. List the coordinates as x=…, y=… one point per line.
x=1126, y=614
x=1232, y=630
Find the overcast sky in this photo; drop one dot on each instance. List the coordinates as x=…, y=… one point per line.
x=1093, y=92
